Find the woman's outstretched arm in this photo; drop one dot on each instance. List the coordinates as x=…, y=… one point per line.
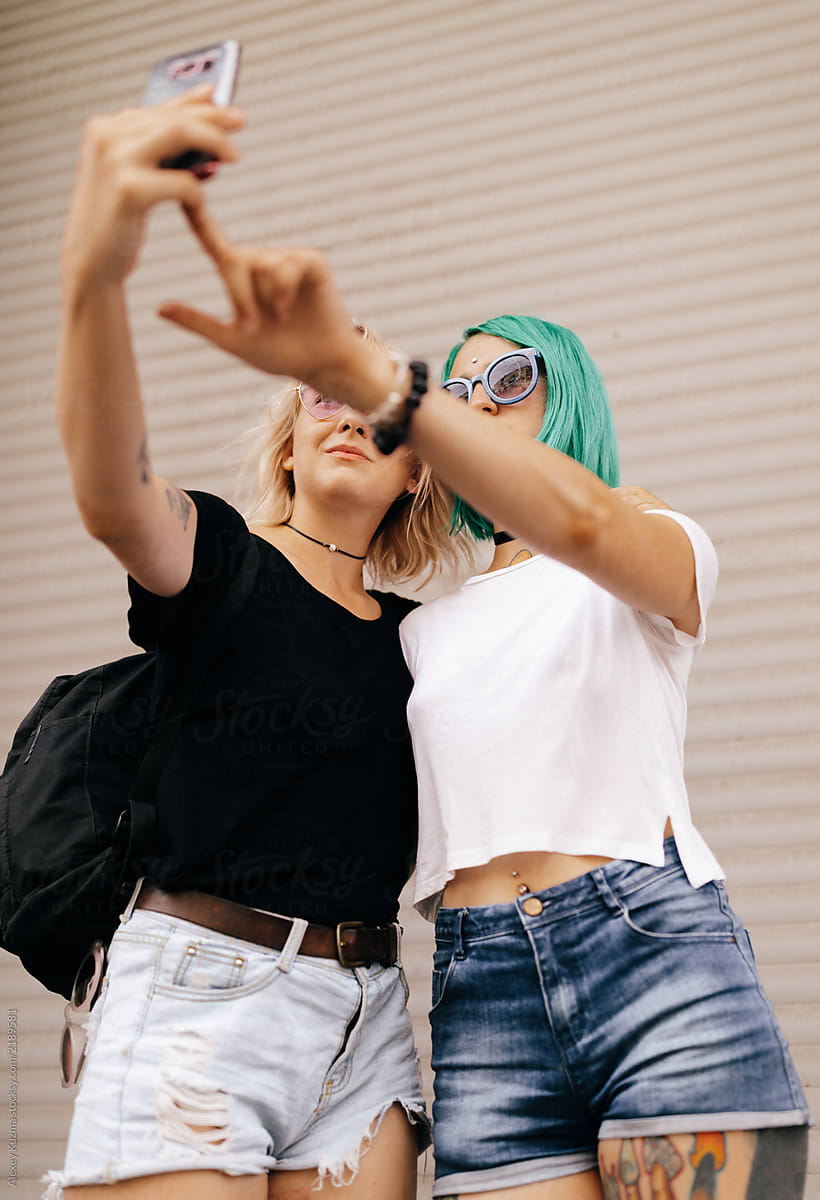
x=145, y=521
x=301, y=327
x=558, y=507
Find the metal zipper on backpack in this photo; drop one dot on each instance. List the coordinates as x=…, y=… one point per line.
x=33, y=742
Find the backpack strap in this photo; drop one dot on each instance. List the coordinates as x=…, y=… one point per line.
x=180, y=674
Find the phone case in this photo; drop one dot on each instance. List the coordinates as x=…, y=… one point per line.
x=219, y=65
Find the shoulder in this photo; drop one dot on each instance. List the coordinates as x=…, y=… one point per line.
x=393, y=606
x=222, y=537
x=706, y=559
x=706, y=576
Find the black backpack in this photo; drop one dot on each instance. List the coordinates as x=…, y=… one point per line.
x=77, y=792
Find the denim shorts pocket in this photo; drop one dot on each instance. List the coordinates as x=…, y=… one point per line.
x=206, y=967
x=443, y=962
x=199, y=969
x=670, y=909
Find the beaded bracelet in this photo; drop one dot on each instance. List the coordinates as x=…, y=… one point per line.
x=391, y=420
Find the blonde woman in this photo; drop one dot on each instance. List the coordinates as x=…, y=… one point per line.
x=252, y=1038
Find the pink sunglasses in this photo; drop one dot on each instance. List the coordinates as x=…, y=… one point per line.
x=320, y=407
x=84, y=993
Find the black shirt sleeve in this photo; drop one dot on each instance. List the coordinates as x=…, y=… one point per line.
x=221, y=540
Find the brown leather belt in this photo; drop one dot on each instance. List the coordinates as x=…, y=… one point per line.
x=351, y=942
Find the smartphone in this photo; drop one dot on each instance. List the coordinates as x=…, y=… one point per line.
x=217, y=64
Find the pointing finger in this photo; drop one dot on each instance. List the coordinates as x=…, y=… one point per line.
x=197, y=322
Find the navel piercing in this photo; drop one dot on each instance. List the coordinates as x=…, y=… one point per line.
x=474, y=360
x=523, y=888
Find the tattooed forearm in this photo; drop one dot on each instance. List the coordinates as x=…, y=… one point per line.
x=179, y=503
x=143, y=462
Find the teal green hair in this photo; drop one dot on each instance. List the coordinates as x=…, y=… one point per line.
x=577, y=420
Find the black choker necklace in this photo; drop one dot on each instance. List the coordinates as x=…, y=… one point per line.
x=501, y=538
x=327, y=545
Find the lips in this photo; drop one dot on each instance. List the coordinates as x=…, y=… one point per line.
x=346, y=450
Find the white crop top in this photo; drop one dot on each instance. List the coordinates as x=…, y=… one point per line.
x=548, y=715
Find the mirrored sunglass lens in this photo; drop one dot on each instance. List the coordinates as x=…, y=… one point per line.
x=457, y=388
x=511, y=377
x=318, y=405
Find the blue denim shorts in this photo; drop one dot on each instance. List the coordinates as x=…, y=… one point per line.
x=207, y=1052
x=630, y=1006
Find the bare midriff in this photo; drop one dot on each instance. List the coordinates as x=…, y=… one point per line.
x=501, y=880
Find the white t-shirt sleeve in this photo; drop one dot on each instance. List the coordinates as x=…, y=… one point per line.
x=706, y=574
x=407, y=637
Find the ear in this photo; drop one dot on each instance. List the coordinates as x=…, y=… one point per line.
x=287, y=459
x=414, y=482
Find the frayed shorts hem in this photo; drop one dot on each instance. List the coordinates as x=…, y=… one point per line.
x=725, y=1122
x=339, y=1169
x=532, y=1170
x=343, y=1168
x=57, y=1181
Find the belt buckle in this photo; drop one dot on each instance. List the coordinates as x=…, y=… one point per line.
x=342, y=928
x=395, y=929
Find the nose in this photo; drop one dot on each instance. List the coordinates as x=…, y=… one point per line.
x=482, y=401
x=351, y=420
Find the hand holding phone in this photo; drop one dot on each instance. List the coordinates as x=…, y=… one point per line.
x=217, y=65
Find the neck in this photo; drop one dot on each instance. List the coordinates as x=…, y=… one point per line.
x=349, y=531
x=508, y=551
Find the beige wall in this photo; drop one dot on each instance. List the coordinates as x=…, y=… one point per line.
x=644, y=171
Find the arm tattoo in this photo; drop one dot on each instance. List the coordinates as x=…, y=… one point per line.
x=143, y=462
x=179, y=503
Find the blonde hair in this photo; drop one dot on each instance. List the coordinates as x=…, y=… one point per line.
x=413, y=538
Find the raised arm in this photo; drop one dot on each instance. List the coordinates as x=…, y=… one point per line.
x=560, y=508
x=300, y=327
x=145, y=521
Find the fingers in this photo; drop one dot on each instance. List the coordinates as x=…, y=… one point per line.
x=141, y=189
x=213, y=240
x=201, y=94
x=193, y=95
x=190, y=134
x=257, y=278
x=280, y=275
x=275, y=281
x=197, y=322
x=232, y=262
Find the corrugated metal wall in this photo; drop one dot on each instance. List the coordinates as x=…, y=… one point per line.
x=644, y=171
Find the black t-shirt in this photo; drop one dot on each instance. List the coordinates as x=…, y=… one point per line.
x=291, y=787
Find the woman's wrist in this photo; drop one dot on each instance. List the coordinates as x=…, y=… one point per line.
x=364, y=377
x=390, y=422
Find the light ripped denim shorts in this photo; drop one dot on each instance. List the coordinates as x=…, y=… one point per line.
x=208, y=1052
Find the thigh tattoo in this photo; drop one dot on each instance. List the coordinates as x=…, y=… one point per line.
x=779, y=1164
x=758, y=1165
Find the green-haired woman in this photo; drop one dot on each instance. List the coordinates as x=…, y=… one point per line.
x=599, y=1029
